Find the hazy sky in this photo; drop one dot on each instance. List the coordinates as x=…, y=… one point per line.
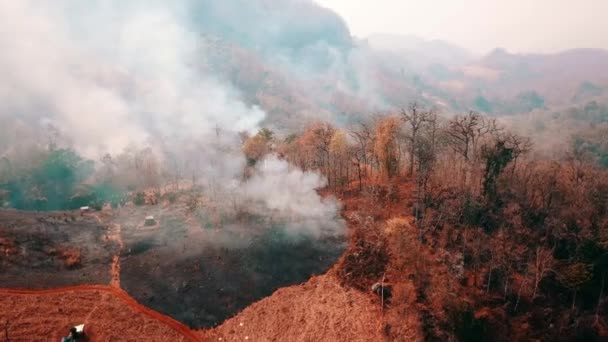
x=481, y=25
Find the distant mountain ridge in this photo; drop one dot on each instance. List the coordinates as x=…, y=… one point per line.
x=423, y=52
x=299, y=61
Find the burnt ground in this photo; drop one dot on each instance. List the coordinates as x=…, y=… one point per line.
x=52, y=249
x=185, y=267
x=202, y=275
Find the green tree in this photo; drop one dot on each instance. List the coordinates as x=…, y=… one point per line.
x=497, y=158
x=55, y=180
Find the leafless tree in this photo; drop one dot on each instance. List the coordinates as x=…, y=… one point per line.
x=600, y=299
x=541, y=265
x=6, y=337
x=416, y=118
x=464, y=134
x=364, y=140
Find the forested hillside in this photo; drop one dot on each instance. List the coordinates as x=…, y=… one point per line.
x=480, y=183
x=505, y=244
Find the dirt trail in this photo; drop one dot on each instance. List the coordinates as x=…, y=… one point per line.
x=115, y=235
x=178, y=327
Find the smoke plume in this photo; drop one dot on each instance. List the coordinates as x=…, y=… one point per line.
x=105, y=75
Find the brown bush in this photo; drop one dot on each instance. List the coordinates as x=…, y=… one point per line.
x=7, y=247
x=70, y=256
x=364, y=262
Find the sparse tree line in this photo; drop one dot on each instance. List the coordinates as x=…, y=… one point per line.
x=52, y=178
x=414, y=142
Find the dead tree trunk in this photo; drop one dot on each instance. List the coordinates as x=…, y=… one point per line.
x=599, y=300
x=6, y=338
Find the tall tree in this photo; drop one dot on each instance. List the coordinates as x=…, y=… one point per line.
x=416, y=118
x=386, y=146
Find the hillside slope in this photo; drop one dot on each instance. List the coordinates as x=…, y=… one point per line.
x=108, y=314
x=339, y=305
x=319, y=310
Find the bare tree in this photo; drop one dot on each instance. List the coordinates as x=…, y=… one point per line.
x=463, y=135
x=600, y=299
x=6, y=337
x=520, y=145
x=364, y=140
x=541, y=265
x=339, y=152
x=426, y=154
x=315, y=142
x=416, y=118
x=386, y=145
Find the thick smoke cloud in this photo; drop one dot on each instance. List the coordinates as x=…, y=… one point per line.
x=291, y=189
x=131, y=76
x=108, y=74
x=290, y=192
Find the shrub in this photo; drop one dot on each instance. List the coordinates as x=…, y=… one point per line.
x=139, y=199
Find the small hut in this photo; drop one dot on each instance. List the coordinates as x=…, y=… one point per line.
x=150, y=221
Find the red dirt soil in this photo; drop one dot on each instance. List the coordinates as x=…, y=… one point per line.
x=109, y=314
x=319, y=310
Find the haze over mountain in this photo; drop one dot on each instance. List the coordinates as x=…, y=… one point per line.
x=520, y=26
x=298, y=61
x=332, y=75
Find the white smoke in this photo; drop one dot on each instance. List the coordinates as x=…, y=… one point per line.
x=111, y=73
x=132, y=76
x=290, y=192
x=287, y=189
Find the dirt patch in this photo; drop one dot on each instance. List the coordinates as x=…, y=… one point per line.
x=115, y=235
x=108, y=315
x=319, y=310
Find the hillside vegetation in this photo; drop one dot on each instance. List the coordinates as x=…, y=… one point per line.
x=501, y=245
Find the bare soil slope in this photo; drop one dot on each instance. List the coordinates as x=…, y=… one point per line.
x=108, y=313
x=319, y=310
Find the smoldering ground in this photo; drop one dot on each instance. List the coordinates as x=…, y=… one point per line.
x=205, y=266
